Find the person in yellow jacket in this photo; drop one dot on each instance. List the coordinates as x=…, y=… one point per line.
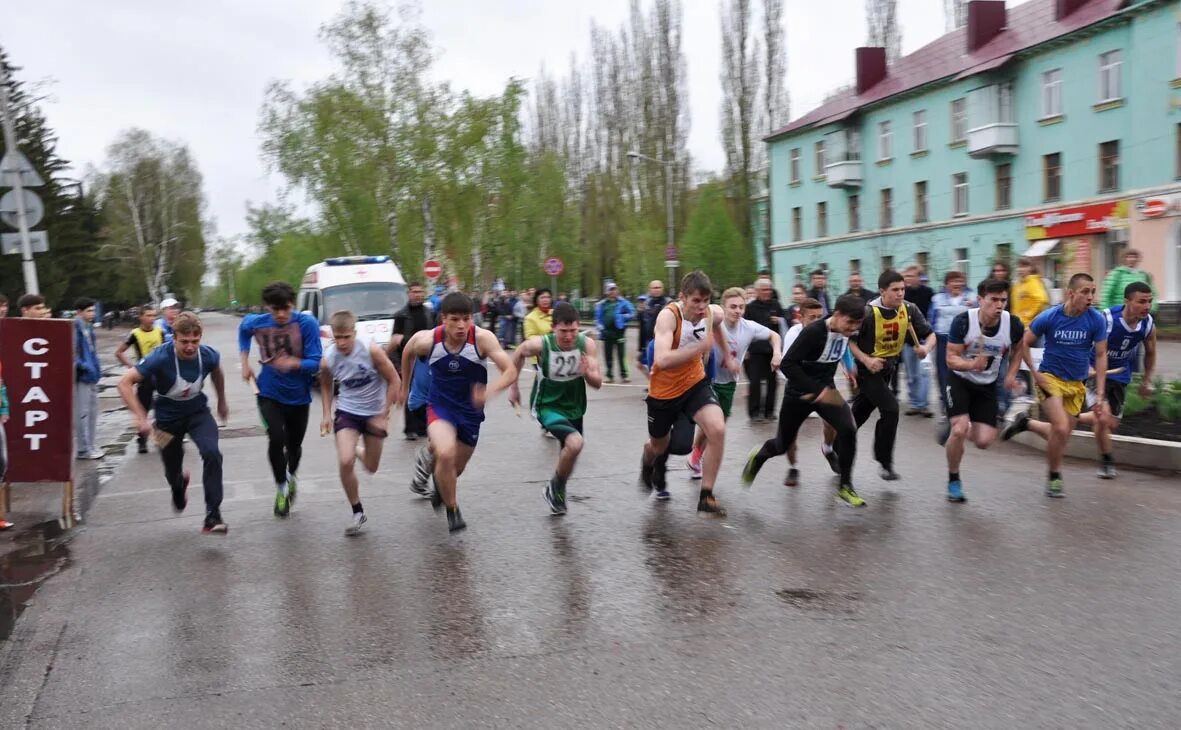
x=1029, y=292
x=540, y=322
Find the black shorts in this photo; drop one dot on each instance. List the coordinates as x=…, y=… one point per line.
x=975, y=400
x=345, y=420
x=662, y=414
x=1116, y=394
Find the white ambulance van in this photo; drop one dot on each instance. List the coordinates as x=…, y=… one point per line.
x=370, y=287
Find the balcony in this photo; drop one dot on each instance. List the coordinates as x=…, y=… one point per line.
x=844, y=173
x=998, y=138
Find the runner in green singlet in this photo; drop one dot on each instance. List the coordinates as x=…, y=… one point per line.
x=567, y=362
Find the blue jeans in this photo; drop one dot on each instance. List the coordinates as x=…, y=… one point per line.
x=508, y=331
x=202, y=430
x=1003, y=396
x=917, y=384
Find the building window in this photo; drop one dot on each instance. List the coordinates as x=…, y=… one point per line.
x=1004, y=253
x=820, y=158
x=885, y=141
x=1004, y=102
x=854, y=214
x=920, y=131
x=1004, y=186
x=822, y=219
x=921, y=259
x=795, y=165
x=1052, y=176
x=854, y=266
x=887, y=208
x=961, y=261
x=797, y=224
x=1109, y=76
x=959, y=120
x=1052, y=93
x=887, y=263
x=920, y=202
x=853, y=145
x=959, y=184
x=800, y=271
x=1109, y=166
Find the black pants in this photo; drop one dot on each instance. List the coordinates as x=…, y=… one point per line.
x=792, y=415
x=615, y=341
x=286, y=426
x=760, y=400
x=202, y=429
x=415, y=420
x=145, y=393
x=874, y=393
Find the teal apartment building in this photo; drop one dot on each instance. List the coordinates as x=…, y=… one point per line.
x=1050, y=129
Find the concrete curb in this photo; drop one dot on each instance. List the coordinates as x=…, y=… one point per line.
x=1131, y=451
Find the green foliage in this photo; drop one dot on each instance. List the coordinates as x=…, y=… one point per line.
x=713, y=243
x=1166, y=400
x=1134, y=402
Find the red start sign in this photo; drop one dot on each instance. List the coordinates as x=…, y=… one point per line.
x=432, y=269
x=38, y=357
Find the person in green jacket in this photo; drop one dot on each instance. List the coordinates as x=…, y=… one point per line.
x=1119, y=278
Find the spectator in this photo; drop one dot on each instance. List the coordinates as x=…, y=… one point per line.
x=505, y=308
x=1030, y=296
x=819, y=290
x=798, y=295
x=540, y=321
x=412, y=318
x=1118, y=279
x=656, y=302
x=169, y=308
x=766, y=311
x=612, y=315
x=87, y=373
x=857, y=288
x=955, y=299
x=918, y=383
x=32, y=306
x=520, y=311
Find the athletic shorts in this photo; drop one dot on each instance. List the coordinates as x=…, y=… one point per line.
x=663, y=413
x=1072, y=392
x=466, y=431
x=976, y=401
x=725, y=395
x=1116, y=394
x=559, y=425
x=360, y=424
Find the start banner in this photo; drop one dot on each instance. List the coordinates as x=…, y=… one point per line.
x=38, y=360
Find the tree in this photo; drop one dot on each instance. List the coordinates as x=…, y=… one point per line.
x=776, y=102
x=882, y=17
x=151, y=197
x=955, y=13
x=713, y=243
x=740, y=86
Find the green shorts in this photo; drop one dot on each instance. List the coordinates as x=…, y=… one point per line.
x=725, y=394
x=559, y=425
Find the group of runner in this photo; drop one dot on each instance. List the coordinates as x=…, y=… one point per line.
x=694, y=358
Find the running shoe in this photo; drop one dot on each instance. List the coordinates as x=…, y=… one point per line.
x=1020, y=423
x=1107, y=471
x=214, y=525
x=282, y=504
x=424, y=464
x=694, y=468
x=849, y=496
x=1054, y=488
x=180, y=499
x=355, y=527
x=955, y=491
x=560, y=493
x=646, y=471
x=143, y=445
x=793, y=478
x=707, y=505
x=292, y=484
x=660, y=473
x=833, y=462
x=455, y=519
x=887, y=474
x=550, y=493
x=663, y=495
x=751, y=470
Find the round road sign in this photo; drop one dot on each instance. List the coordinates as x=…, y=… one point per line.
x=10, y=205
x=554, y=266
x=432, y=269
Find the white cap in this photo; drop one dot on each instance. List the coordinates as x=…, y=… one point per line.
x=169, y=302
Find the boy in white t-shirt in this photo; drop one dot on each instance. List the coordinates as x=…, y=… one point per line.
x=739, y=333
x=369, y=387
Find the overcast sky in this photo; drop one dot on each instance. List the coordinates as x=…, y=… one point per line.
x=196, y=71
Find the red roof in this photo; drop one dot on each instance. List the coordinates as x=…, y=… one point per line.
x=1029, y=24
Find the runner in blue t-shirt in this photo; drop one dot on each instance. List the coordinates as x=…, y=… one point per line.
x=178, y=370
x=289, y=351
x=424, y=459
x=1071, y=330
x=1129, y=326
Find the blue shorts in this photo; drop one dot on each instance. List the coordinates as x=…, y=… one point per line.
x=352, y=421
x=466, y=430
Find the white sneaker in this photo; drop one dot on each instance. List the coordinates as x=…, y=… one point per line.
x=355, y=528
x=94, y=455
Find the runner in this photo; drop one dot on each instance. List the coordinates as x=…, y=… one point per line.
x=289, y=351
x=169, y=309
x=178, y=369
x=144, y=339
x=1128, y=325
x=686, y=331
x=369, y=388
x=889, y=322
x=457, y=350
x=567, y=362
x=1071, y=330
x=977, y=342
x=810, y=365
x=739, y=333
x=424, y=458
x=946, y=305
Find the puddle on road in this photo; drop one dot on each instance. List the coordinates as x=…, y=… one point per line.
x=42, y=553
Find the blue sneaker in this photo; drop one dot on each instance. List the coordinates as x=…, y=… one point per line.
x=955, y=491
x=663, y=495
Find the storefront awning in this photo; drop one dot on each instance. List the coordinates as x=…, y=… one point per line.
x=1041, y=248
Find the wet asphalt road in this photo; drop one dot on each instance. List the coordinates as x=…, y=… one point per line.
x=1009, y=611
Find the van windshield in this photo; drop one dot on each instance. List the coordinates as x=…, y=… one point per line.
x=372, y=300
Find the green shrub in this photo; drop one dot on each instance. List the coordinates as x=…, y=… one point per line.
x=1135, y=403
x=1167, y=402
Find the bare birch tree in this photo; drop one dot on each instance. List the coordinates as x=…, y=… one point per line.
x=884, y=31
x=955, y=13
x=740, y=88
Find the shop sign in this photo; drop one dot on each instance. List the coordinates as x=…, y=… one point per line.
x=1159, y=206
x=1080, y=221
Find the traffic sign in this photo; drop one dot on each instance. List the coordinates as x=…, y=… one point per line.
x=432, y=269
x=10, y=243
x=10, y=206
x=15, y=166
x=554, y=266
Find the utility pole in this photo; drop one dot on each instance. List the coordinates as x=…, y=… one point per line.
x=11, y=153
x=670, y=251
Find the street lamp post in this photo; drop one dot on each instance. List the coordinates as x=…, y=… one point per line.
x=670, y=252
